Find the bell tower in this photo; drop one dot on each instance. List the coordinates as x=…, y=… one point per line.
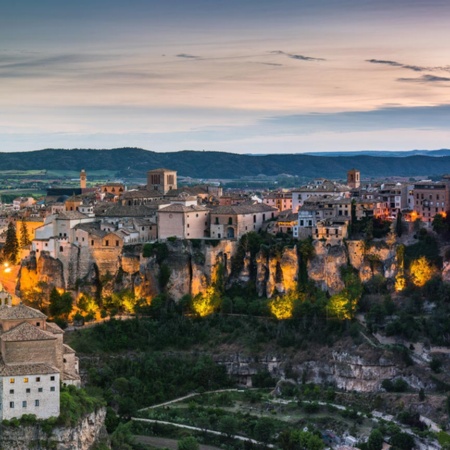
x=83, y=179
x=354, y=178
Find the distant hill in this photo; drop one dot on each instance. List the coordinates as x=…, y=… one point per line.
x=134, y=162
x=385, y=153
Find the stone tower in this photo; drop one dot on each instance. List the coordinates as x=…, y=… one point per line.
x=83, y=179
x=161, y=180
x=354, y=178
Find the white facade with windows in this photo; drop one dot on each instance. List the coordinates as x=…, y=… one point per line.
x=29, y=393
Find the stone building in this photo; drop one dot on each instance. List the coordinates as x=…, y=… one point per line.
x=282, y=200
x=232, y=222
x=354, y=179
x=183, y=221
x=33, y=362
x=161, y=180
x=430, y=198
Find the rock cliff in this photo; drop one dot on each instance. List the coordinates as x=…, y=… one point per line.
x=89, y=431
x=192, y=266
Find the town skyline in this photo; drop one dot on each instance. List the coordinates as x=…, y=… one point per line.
x=240, y=77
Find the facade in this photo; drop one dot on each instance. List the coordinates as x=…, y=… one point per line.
x=232, y=222
x=320, y=188
x=183, y=222
x=430, y=198
x=83, y=179
x=161, y=180
x=353, y=179
x=281, y=200
x=34, y=360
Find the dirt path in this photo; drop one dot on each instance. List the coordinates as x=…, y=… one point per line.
x=171, y=444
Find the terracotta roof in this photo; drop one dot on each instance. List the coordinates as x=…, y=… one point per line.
x=70, y=376
x=20, y=312
x=243, y=209
x=177, y=207
x=53, y=328
x=26, y=332
x=68, y=349
x=127, y=211
x=71, y=215
x=26, y=369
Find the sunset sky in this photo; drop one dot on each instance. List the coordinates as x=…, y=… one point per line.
x=244, y=76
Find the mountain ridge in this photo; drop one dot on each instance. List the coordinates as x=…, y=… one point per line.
x=131, y=161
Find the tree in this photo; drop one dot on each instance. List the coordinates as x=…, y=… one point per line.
x=421, y=271
x=399, y=225
x=25, y=240
x=402, y=441
x=375, y=441
x=264, y=429
x=188, y=443
x=228, y=425
x=60, y=304
x=11, y=247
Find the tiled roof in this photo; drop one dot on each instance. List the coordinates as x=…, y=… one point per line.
x=20, y=312
x=177, y=207
x=127, y=211
x=71, y=215
x=53, y=328
x=68, y=349
x=25, y=369
x=26, y=332
x=243, y=209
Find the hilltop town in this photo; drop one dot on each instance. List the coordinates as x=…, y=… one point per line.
x=314, y=260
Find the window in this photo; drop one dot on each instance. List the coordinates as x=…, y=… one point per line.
x=196, y=215
x=24, y=404
x=12, y=380
x=106, y=243
x=40, y=390
x=61, y=249
x=38, y=379
x=52, y=389
x=36, y=403
x=117, y=243
x=52, y=378
x=92, y=242
x=28, y=390
x=11, y=391
x=11, y=405
x=25, y=380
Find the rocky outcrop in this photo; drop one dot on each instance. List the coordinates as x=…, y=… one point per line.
x=89, y=431
x=325, y=266
x=358, y=368
x=190, y=267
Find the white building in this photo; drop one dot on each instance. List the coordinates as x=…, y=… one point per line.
x=33, y=362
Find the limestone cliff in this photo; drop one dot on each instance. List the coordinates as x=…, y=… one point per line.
x=89, y=431
x=189, y=267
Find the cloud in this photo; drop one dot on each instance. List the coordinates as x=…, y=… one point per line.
x=298, y=57
x=425, y=79
x=186, y=55
x=408, y=66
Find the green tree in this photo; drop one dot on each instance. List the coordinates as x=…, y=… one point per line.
x=399, y=225
x=11, y=247
x=375, y=441
x=402, y=441
x=188, y=443
x=264, y=429
x=228, y=425
x=60, y=304
x=25, y=240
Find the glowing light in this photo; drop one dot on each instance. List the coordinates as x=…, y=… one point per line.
x=341, y=307
x=421, y=271
x=8, y=269
x=205, y=303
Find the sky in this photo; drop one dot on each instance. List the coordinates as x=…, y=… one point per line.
x=243, y=76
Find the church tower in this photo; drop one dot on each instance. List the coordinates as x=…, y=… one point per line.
x=83, y=179
x=354, y=178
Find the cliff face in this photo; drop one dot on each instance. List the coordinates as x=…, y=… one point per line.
x=189, y=267
x=350, y=367
x=89, y=431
